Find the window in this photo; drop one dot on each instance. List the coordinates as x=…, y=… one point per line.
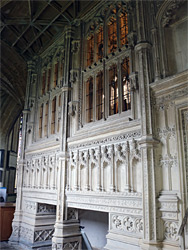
x=43, y=82
x=112, y=35
x=113, y=90
x=123, y=29
x=56, y=74
x=90, y=50
x=100, y=44
x=46, y=120
x=99, y=96
x=53, y=116
x=89, y=100
x=40, y=120
x=115, y=34
x=49, y=79
x=59, y=105
x=126, y=91
x=107, y=89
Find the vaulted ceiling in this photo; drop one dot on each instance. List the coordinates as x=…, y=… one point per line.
x=27, y=28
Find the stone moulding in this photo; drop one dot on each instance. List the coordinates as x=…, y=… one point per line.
x=125, y=203
x=127, y=136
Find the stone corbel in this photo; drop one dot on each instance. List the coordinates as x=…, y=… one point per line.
x=31, y=103
x=30, y=127
x=72, y=108
x=134, y=81
x=34, y=79
x=75, y=46
x=132, y=39
x=74, y=75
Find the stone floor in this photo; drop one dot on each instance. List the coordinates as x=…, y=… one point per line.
x=5, y=246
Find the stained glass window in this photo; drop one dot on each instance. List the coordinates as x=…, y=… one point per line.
x=99, y=96
x=113, y=90
x=90, y=50
x=89, y=100
x=126, y=91
x=112, y=35
x=123, y=29
x=100, y=44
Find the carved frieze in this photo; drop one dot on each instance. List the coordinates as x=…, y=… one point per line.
x=128, y=136
x=127, y=224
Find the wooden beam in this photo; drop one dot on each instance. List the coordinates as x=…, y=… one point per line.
x=30, y=5
x=34, y=18
x=54, y=5
x=13, y=21
x=40, y=34
x=46, y=22
x=17, y=34
x=53, y=20
x=39, y=42
x=39, y=29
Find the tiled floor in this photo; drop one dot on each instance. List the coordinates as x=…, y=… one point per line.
x=5, y=246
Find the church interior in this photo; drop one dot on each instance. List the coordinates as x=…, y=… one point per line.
x=94, y=124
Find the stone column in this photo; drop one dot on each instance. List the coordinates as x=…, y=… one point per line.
x=67, y=232
x=16, y=225
x=147, y=143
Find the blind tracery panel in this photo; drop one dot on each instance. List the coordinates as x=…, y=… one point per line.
x=53, y=116
x=43, y=82
x=49, y=79
x=40, y=120
x=56, y=74
x=59, y=105
x=46, y=120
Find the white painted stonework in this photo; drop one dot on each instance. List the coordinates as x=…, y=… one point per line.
x=131, y=165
